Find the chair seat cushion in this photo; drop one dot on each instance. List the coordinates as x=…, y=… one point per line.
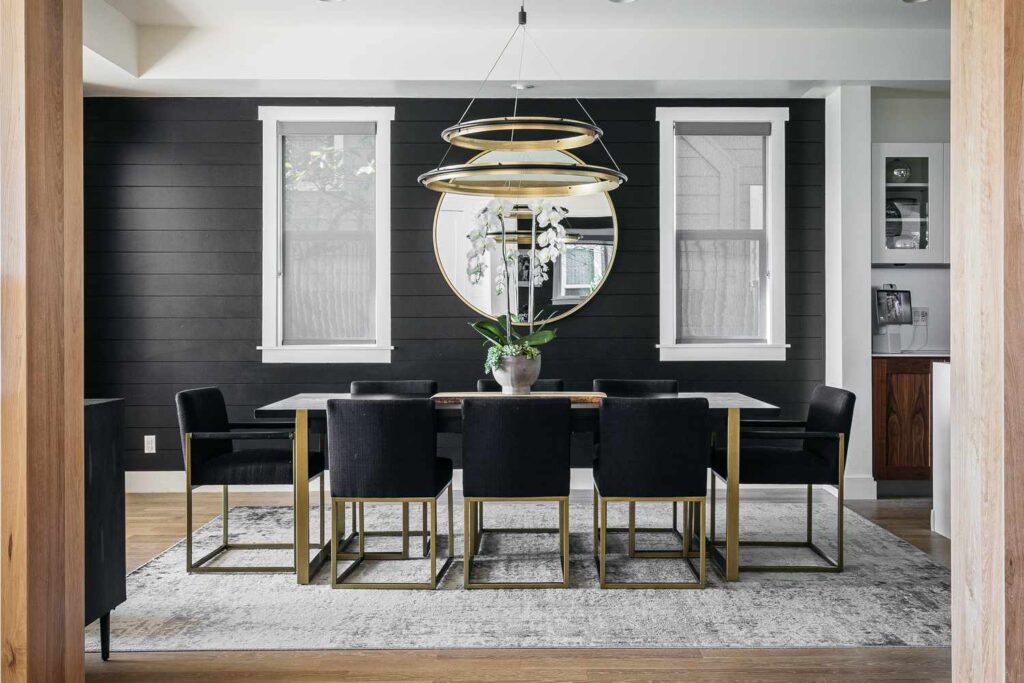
x=256, y=466
x=778, y=465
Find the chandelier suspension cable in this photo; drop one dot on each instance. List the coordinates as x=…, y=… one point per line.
x=585, y=111
x=481, y=87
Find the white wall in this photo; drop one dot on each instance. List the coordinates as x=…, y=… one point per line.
x=848, y=269
x=929, y=288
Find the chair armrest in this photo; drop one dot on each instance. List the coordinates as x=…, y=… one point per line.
x=268, y=424
x=774, y=424
x=263, y=434
x=789, y=436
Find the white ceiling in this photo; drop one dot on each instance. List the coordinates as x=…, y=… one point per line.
x=562, y=14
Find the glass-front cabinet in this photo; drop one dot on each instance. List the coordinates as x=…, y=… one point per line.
x=909, y=218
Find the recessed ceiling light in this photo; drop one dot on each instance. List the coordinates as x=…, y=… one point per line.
x=519, y=85
x=622, y=2
x=914, y=2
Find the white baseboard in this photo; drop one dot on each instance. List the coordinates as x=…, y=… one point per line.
x=580, y=479
x=861, y=488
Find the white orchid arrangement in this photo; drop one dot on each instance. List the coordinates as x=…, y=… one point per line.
x=490, y=221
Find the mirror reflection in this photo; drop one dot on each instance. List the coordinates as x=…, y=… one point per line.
x=561, y=286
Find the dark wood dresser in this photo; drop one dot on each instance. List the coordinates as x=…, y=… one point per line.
x=902, y=416
x=104, y=512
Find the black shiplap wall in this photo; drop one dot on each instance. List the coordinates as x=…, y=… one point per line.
x=172, y=221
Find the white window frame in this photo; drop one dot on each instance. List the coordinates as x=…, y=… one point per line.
x=774, y=348
x=273, y=351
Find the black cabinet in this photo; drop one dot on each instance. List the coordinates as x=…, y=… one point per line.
x=104, y=512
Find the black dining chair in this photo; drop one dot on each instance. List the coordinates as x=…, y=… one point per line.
x=653, y=450
x=403, y=388
x=539, y=385
x=818, y=457
x=515, y=450
x=385, y=451
x=208, y=443
x=636, y=387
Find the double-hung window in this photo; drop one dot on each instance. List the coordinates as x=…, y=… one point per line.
x=326, y=234
x=722, y=233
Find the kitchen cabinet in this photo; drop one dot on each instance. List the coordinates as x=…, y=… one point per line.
x=910, y=216
x=902, y=417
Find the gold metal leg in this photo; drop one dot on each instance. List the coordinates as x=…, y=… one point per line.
x=690, y=503
x=451, y=522
x=596, y=532
x=810, y=512
x=602, y=563
x=714, y=486
x=300, y=482
x=467, y=542
x=732, y=498
x=632, y=529
x=188, y=503
x=425, y=547
x=688, y=510
x=334, y=538
x=224, y=514
x=471, y=511
x=338, y=580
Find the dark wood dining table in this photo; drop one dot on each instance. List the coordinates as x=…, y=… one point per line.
x=310, y=414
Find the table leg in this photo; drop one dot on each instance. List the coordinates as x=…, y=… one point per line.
x=300, y=481
x=732, y=497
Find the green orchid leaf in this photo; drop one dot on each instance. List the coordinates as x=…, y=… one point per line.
x=489, y=331
x=537, y=338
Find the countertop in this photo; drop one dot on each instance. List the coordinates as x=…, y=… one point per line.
x=925, y=353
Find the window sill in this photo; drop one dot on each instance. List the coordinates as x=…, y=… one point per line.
x=722, y=352
x=349, y=353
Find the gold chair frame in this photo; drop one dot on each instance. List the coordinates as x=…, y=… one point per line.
x=694, y=512
x=201, y=566
x=473, y=531
x=338, y=513
x=833, y=565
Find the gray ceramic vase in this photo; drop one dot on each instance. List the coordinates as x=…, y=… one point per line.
x=517, y=374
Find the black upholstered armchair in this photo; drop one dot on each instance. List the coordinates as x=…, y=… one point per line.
x=539, y=385
x=385, y=451
x=208, y=441
x=514, y=450
x=653, y=450
x=800, y=452
x=636, y=387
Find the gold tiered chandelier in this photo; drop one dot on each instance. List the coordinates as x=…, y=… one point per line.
x=526, y=178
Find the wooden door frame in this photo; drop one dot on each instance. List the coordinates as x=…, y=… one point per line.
x=987, y=306
x=41, y=341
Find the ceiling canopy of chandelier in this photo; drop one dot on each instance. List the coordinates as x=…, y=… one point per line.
x=526, y=177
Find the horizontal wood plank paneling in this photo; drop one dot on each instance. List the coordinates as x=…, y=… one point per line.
x=173, y=240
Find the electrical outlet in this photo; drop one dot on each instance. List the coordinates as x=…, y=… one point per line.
x=149, y=445
x=920, y=316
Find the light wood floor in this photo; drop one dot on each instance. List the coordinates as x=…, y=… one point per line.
x=155, y=521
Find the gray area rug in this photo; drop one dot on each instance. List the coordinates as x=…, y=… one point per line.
x=891, y=594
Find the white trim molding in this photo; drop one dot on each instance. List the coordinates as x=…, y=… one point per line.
x=774, y=348
x=272, y=349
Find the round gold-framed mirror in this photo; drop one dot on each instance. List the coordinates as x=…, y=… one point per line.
x=591, y=242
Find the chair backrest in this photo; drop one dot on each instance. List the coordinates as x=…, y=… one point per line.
x=411, y=388
x=202, y=410
x=539, y=385
x=381, y=448
x=830, y=410
x=636, y=387
x=654, y=447
x=515, y=447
